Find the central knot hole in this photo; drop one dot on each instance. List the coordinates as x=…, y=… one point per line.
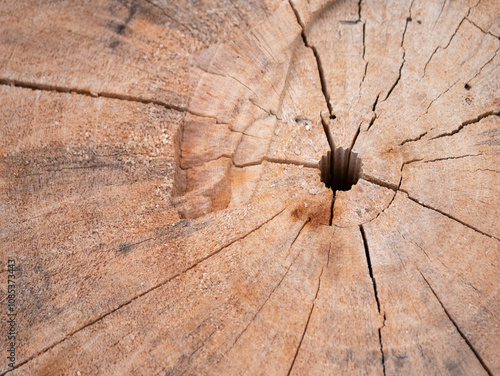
x=340, y=169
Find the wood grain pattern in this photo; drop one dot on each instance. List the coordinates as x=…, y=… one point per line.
x=161, y=188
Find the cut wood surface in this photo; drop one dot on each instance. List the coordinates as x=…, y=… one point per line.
x=251, y=187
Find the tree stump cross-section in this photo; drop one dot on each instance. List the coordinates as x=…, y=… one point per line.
x=251, y=187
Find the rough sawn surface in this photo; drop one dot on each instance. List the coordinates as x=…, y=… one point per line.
x=160, y=187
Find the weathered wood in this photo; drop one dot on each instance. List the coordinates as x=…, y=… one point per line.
x=161, y=187
x=90, y=45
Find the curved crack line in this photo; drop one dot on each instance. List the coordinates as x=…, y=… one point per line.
x=130, y=301
x=485, y=32
x=396, y=190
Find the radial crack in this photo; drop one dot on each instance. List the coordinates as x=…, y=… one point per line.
x=398, y=79
x=429, y=60
x=327, y=133
x=291, y=162
x=485, y=64
x=447, y=158
x=379, y=182
x=297, y=236
x=418, y=138
x=307, y=324
x=382, y=345
x=224, y=155
x=316, y=56
x=408, y=19
x=375, y=291
x=474, y=351
x=92, y=322
x=275, y=160
x=369, y=264
x=456, y=31
x=374, y=117
x=396, y=189
x=435, y=99
x=449, y=216
x=441, y=11
x=468, y=122
x=89, y=93
x=330, y=221
x=188, y=360
x=272, y=292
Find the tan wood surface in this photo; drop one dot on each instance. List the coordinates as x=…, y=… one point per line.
x=161, y=186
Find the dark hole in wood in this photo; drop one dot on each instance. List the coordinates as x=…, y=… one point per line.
x=340, y=169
